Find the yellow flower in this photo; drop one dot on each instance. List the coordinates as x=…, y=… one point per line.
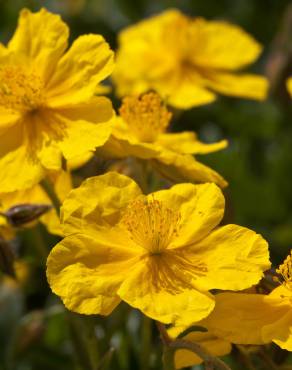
x=160, y=253
x=212, y=344
x=187, y=61
x=256, y=318
x=48, y=108
x=140, y=131
x=37, y=195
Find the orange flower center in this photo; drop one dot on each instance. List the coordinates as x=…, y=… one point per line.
x=146, y=116
x=285, y=270
x=20, y=90
x=151, y=224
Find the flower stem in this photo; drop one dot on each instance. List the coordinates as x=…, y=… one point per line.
x=49, y=189
x=84, y=341
x=171, y=346
x=146, y=343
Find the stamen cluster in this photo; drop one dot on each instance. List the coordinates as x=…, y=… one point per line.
x=285, y=270
x=146, y=116
x=151, y=224
x=20, y=90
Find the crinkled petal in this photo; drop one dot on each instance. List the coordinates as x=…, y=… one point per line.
x=235, y=257
x=214, y=345
x=90, y=203
x=185, y=168
x=201, y=208
x=79, y=71
x=41, y=39
x=241, y=85
x=222, y=45
x=86, y=270
x=162, y=294
x=188, y=143
x=240, y=318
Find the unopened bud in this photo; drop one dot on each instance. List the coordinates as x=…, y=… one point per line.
x=22, y=214
x=6, y=258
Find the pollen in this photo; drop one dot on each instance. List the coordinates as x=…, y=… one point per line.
x=20, y=90
x=146, y=116
x=151, y=224
x=285, y=271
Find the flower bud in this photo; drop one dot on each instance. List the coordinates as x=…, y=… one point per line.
x=22, y=214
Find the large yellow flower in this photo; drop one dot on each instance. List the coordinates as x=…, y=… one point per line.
x=159, y=253
x=187, y=61
x=37, y=195
x=140, y=131
x=256, y=318
x=48, y=108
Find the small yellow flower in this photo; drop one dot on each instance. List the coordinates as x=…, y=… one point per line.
x=256, y=318
x=289, y=85
x=48, y=108
x=160, y=253
x=187, y=61
x=140, y=131
x=37, y=195
x=212, y=344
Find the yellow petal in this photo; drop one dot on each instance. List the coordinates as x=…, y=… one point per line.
x=222, y=45
x=41, y=39
x=18, y=171
x=81, y=137
x=125, y=147
x=8, y=119
x=188, y=94
x=74, y=132
x=185, y=168
x=123, y=143
x=187, y=143
x=289, y=85
x=235, y=258
x=280, y=331
x=240, y=318
x=89, y=59
x=86, y=271
x=241, y=85
x=201, y=208
x=91, y=203
x=214, y=345
x=154, y=288
x=50, y=157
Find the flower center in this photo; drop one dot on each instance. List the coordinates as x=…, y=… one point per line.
x=285, y=270
x=151, y=224
x=146, y=116
x=20, y=90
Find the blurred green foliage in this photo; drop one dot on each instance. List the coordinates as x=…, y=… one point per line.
x=34, y=329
